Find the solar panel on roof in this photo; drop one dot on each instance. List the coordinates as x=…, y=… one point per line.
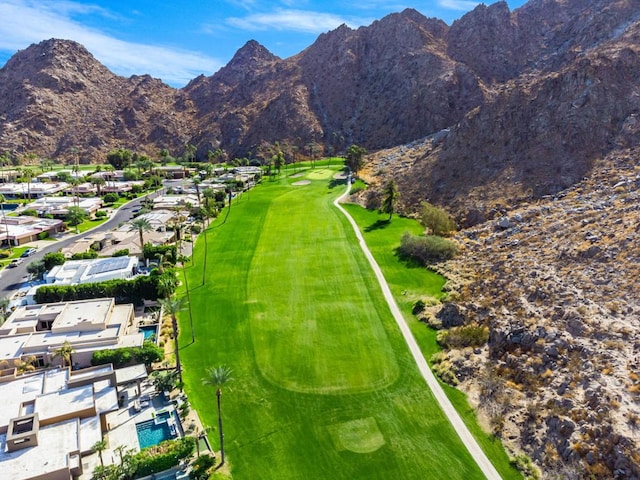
x=108, y=265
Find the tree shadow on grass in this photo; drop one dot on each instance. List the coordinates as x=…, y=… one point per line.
x=336, y=182
x=377, y=225
x=407, y=260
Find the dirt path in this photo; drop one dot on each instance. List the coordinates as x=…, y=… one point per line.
x=463, y=432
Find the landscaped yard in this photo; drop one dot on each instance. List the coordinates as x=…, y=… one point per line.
x=324, y=386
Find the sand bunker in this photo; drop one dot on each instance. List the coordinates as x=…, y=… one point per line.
x=301, y=182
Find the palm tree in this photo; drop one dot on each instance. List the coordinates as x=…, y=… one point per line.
x=196, y=183
x=4, y=220
x=172, y=306
x=142, y=225
x=64, y=352
x=98, y=182
x=218, y=377
x=99, y=447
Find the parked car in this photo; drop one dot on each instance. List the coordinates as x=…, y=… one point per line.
x=28, y=252
x=15, y=262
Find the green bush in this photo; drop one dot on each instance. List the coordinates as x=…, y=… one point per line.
x=4, y=254
x=43, y=235
x=101, y=214
x=168, y=252
x=52, y=259
x=84, y=255
x=426, y=249
x=200, y=469
x=436, y=219
x=124, y=291
x=121, y=253
x=110, y=198
x=29, y=213
x=120, y=357
x=163, y=456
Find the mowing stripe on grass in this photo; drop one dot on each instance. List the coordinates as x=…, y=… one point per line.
x=312, y=324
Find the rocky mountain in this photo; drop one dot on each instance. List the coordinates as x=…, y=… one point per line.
x=56, y=97
x=523, y=124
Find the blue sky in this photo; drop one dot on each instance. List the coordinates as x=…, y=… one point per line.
x=179, y=40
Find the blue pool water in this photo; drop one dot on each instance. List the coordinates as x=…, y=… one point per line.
x=148, y=331
x=154, y=431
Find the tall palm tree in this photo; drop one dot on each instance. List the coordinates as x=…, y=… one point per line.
x=64, y=352
x=142, y=225
x=196, y=183
x=172, y=306
x=218, y=377
x=4, y=220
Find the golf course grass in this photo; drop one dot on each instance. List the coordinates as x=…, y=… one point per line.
x=323, y=384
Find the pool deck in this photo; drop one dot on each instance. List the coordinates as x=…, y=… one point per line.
x=122, y=427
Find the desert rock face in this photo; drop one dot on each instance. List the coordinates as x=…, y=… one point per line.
x=56, y=97
x=524, y=125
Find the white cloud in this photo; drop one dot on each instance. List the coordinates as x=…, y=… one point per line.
x=25, y=22
x=461, y=5
x=291, y=20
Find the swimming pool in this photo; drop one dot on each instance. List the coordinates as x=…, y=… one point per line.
x=149, y=331
x=162, y=427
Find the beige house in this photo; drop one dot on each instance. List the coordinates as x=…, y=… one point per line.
x=37, y=331
x=24, y=229
x=50, y=420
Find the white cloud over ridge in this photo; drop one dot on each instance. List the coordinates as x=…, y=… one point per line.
x=290, y=20
x=460, y=5
x=25, y=22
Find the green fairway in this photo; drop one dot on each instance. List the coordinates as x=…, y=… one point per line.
x=324, y=386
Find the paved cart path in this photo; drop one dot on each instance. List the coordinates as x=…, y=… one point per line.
x=463, y=432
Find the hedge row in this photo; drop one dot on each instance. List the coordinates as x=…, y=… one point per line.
x=124, y=291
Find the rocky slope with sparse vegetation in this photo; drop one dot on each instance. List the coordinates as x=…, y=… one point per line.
x=554, y=281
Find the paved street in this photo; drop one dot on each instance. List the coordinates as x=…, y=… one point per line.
x=12, y=279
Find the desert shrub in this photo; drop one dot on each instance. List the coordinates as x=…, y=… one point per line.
x=464, y=336
x=426, y=249
x=443, y=369
x=526, y=467
x=436, y=220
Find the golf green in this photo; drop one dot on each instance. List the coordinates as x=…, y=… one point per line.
x=323, y=385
